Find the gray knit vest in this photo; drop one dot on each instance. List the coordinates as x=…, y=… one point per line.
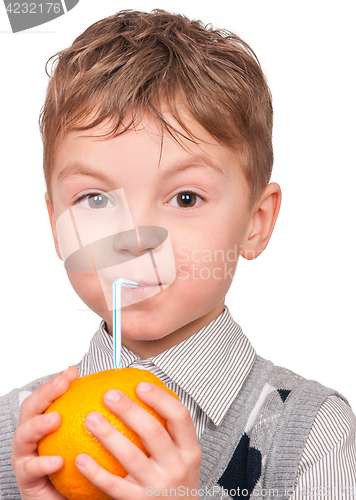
x=256, y=450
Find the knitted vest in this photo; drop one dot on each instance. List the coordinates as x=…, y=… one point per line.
x=256, y=450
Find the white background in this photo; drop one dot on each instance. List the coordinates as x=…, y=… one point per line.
x=296, y=302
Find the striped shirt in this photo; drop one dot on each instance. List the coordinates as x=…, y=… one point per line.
x=208, y=369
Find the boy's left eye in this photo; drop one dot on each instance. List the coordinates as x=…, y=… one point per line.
x=94, y=201
x=185, y=199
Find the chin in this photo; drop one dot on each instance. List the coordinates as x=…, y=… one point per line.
x=145, y=326
x=146, y=337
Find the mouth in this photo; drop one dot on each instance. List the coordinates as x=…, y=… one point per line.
x=146, y=283
x=144, y=287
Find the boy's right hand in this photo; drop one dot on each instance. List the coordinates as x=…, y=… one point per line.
x=30, y=469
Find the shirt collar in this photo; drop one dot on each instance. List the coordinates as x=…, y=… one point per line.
x=211, y=365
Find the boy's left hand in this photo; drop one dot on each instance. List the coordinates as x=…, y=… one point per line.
x=175, y=456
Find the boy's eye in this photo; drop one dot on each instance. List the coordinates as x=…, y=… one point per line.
x=185, y=199
x=94, y=201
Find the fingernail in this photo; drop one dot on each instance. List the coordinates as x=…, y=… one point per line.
x=53, y=460
x=66, y=371
x=144, y=387
x=94, y=418
x=113, y=396
x=81, y=460
x=47, y=417
x=55, y=382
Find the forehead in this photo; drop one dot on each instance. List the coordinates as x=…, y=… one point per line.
x=146, y=145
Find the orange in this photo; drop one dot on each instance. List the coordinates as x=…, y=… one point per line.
x=72, y=437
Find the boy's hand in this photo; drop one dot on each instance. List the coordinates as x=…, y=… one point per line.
x=31, y=470
x=175, y=456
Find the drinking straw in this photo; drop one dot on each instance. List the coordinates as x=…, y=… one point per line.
x=117, y=285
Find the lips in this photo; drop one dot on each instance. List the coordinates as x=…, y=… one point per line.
x=143, y=290
x=142, y=283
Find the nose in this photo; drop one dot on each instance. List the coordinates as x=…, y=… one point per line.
x=116, y=249
x=149, y=238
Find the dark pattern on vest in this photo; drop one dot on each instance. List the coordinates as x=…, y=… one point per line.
x=244, y=469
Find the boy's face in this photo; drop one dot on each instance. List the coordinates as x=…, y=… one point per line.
x=198, y=194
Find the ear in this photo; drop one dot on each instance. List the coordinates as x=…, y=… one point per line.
x=52, y=221
x=262, y=222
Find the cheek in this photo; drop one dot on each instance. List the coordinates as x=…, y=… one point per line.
x=205, y=268
x=89, y=289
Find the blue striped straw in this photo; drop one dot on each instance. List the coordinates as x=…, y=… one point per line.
x=117, y=285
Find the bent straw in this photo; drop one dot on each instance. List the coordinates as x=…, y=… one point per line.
x=117, y=285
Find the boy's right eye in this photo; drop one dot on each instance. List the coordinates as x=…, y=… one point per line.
x=94, y=201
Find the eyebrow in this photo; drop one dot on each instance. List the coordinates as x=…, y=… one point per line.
x=77, y=168
x=192, y=162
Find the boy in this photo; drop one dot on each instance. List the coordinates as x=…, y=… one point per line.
x=192, y=156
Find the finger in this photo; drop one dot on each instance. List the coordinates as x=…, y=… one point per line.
x=179, y=422
x=30, y=471
x=153, y=435
x=27, y=435
x=39, y=401
x=129, y=455
x=114, y=486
